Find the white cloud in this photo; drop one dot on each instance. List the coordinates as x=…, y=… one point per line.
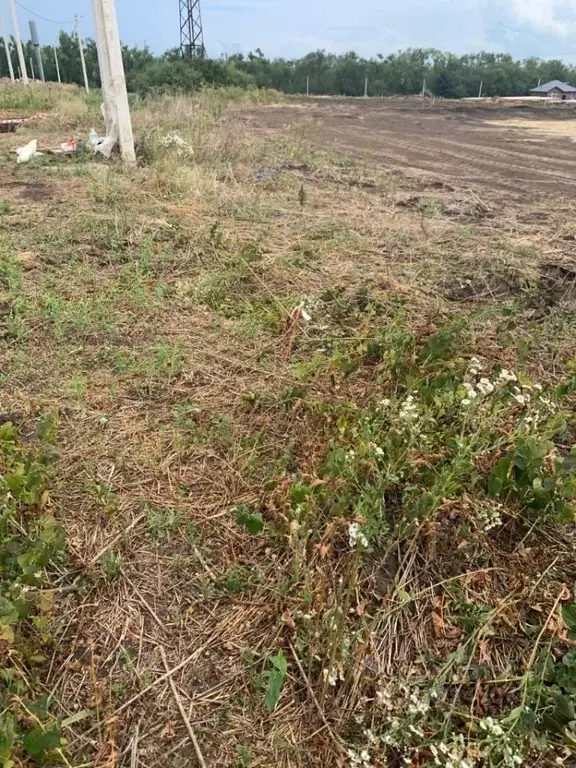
x=550, y=16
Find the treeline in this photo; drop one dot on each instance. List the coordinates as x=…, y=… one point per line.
x=144, y=71
x=404, y=73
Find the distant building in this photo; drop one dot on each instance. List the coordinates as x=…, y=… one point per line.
x=555, y=89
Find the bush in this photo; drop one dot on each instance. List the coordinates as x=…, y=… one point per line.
x=167, y=75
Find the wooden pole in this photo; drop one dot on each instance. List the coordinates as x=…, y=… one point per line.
x=32, y=70
x=424, y=87
x=366, y=88
x=6, y=48
x=480, y=92
x=307, y=85
x=118, y=78
x=57, y=64
x=24, y=73
x=79, y=36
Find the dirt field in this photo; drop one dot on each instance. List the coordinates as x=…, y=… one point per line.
x=458, y=143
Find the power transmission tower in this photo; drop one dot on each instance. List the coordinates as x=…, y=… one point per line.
x=191, y=35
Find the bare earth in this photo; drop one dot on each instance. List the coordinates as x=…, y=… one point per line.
x=464, y=143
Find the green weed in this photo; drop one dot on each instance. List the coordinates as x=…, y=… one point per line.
x=163, y=522
x=30, y=541
x=111, y=565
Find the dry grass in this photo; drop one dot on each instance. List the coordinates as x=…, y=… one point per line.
x=563, y=128
x=159, y=319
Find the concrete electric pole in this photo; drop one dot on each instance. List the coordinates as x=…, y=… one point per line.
x=110, y=116
x=57, y=64
x=6, y=48
x=23, y=72
x=79, y=36
x=36, y=43
x=113, y=78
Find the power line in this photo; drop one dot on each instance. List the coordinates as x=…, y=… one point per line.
x=51, y=21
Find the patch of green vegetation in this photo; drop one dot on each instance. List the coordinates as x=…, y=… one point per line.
x=427, y=445
x=30, y=541
x=237, y=578
x=243, y=756
x=163, y=521
x=111, y=565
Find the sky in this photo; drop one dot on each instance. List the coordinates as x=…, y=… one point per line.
x=290, y=28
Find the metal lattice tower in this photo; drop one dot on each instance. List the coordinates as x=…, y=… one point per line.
x=191, y=35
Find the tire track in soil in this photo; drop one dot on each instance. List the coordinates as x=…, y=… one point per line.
x=442, y=157
x=450, y=140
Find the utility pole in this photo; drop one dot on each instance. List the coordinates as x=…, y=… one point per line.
x=36, y=44
x=481, y=86
x=307, y=85
x=24, y=74
x=57, y=64
x=6, y=48
x=32, y=69
x=79, y=36
x=110, y=116
x=120, y=107
x=366, y=88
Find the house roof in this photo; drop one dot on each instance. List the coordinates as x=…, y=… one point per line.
x=564, y=87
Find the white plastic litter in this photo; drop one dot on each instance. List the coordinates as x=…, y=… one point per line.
x=106, y=146
x=94, y=139
x=28, y=151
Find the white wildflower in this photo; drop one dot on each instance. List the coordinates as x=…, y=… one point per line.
x=377, y=450
x=490, y=516
x=416, y=705
x=471, y=393
x=409, y=410
x=485, y=386
x=537, y=387
x=359, y=760
x=384, y=698
x=330, y=676
x=475, y=366
x=384, y=403
x=506, y=376
x=351, y=455
x=488, y=724
x=371, y=736
x=355, y=536
x=520, y=399
x=173, y=140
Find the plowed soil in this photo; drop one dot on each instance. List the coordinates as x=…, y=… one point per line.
x=459, y=143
